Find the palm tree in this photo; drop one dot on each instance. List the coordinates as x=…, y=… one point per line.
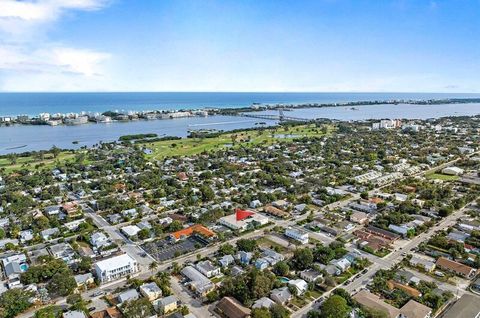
x=153, y=266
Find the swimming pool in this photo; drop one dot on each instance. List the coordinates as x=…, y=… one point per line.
x=23, y=267
x=284, y=279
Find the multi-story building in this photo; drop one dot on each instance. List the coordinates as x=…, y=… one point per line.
x=115, y=268
x=297, y=235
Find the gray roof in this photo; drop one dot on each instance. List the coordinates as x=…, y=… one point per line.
x=468, y=306
x=168, y=300
x=12, y=268
x=263, y=302
x=130, y=294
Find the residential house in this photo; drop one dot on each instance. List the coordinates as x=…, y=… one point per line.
x=281, y=295
x=299, y=284
x=468, y=306
x=64, y=252
x=166, y=304
x=226, y=260
x=359, y=217
x=423, y=263
x=311, y=275
x=207, y=268
x=128, y=295
x=263, y=302
x=197, y=281
x=151, y=291
x=455, y=267
x=229, y=307
x=130, y=231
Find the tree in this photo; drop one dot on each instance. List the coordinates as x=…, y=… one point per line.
x=139, y=308
x=153, y=266
x=374, y=313
x=175, y=226
x=313, y=314
x=85, y=264
x=261, y=313
x=246, y=245
x=49, y=312
x=13, y=302
x=278, y=311
x=281, y=268
x=335, y=307
x=143, y=234
x=62, y=283
x=55, y=151
x=302, y=258
x=226, y=249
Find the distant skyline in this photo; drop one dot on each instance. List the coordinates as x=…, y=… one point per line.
x=239, y=46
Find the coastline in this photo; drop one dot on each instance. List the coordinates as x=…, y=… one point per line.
x=108, y=116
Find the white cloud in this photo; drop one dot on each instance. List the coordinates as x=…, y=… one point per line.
x=27, y=52
x=85, y=62
x=43, y=10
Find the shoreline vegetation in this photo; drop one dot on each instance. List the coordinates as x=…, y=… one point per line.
x=111, y=116
x=172, y=146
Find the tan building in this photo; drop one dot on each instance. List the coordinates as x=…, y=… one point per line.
x=229, y=307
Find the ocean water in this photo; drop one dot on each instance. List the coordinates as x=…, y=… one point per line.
x=34, y=103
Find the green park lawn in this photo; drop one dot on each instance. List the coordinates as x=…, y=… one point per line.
x=193, y=146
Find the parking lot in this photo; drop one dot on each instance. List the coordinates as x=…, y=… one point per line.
x=163, y=250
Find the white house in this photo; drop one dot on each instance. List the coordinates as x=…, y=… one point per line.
x=208, y=269
x=151, y=291
x=115, y=268
x=299, y=284
x=453, y=171
x=130, y=230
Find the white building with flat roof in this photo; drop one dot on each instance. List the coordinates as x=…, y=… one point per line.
x=115, y=268
x=296, y=234
x=242, y=222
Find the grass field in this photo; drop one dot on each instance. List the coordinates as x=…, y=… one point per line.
x=31, y=162
x=192, y=146
x=443, y=177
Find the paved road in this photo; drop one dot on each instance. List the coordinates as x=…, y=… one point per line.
x=389, y=260
x=196, y=307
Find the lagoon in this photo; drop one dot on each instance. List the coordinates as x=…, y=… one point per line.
x=21, y=138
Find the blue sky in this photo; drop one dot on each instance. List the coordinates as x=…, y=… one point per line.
x=242, y=45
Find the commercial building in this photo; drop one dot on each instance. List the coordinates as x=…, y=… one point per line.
x=195, y=229
x=241, y=220
x=115, y=268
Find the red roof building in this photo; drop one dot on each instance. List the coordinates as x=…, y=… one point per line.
x=243, y=214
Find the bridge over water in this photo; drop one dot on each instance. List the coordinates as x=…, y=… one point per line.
x=280, y=117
